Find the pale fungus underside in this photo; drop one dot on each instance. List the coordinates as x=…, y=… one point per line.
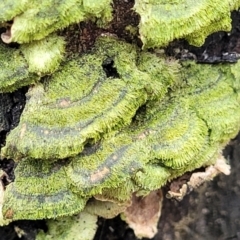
x=117, y=120
x=81, y=226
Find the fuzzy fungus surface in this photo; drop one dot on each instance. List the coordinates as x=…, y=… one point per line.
x=34, y=21
x=163, y=21
x=83, y=101
x=25, y=65
x=14, y=70
x=136, y=151
x=79, y=227
x=118, y=120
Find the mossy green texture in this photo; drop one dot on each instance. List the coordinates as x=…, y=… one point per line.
x=163, y=21
x=108, y=170
x=44, y=56
x=184, y=124
x=218, y=101
x=176, y=134
x=234, y=5
x=47, y=194
x=14, y=72
x=106, y=209
x=34, y=20
x=80, y=103
x=9, y=9
x=24, y=66
x=79, y=227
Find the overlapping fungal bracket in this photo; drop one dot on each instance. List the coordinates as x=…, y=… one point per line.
x=160, y=21
x=77, y=227
x=13, y=70
x=163, y=21
x=25, y=65
x=47, y=194
x=182, y=124
x=214, y=95
x=87, y=98
x=32, y=20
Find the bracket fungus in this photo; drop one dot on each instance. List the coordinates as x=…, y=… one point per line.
x=163, y=21
x=46, y=196
x=76, y=104
x=78, y=227
x=117, y=120
x=24, y=66
x=174, y=134
x=34, y=21
x=14, y=70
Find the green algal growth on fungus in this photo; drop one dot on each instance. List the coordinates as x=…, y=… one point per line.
x=47, y=196
x=44, y=56
x=33, y=20
x=213, y=91
x=14, y=71
x=110, y=167
x=24, y=66
x=115, y=121
x=234, y=5
x=10, y=9
x=163, y=21
x=80, y=227
x=172, y=136
x=80, y=102
x=160, y=22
